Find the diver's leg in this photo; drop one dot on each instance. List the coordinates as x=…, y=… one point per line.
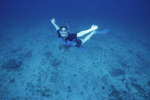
x=82, y=33
x=87, y=37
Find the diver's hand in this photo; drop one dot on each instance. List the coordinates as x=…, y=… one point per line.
x=94, y=27
x=53, y=21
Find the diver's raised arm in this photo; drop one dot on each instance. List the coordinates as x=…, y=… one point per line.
x=54, y=23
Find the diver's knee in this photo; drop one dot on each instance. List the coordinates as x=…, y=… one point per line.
x=83, y=41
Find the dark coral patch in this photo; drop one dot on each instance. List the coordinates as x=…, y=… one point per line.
x=117, y=72
x=12, y=64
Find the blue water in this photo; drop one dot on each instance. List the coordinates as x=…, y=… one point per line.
x=112, y=65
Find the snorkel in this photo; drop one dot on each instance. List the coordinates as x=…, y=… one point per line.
x=67, y=25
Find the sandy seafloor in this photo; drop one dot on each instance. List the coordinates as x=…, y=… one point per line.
x=114, y=66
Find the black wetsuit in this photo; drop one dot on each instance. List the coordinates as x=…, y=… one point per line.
x=72, y=39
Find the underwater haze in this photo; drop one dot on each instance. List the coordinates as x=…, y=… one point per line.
x=114, y=64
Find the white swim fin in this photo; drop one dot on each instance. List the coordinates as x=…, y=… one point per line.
x=103, y=31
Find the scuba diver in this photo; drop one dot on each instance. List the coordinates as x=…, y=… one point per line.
x=70, y=39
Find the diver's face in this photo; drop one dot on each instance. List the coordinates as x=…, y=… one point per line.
x=64, y=32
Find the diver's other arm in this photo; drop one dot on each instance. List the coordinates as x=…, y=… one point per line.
x=54, y=23
x=93, y=28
